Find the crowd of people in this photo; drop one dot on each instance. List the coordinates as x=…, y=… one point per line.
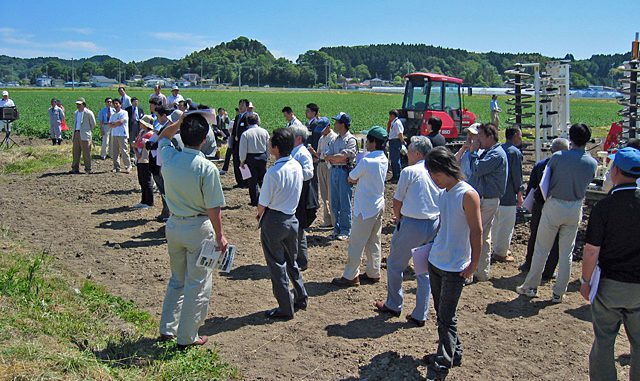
x=460, y=208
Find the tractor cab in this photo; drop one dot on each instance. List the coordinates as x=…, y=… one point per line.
x=428, y=95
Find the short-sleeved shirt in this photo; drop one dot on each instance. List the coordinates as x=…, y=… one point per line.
x=302, y=155
x=171, y=100
x=254, y=140
x=7, y=103
x=191, y=182
x=323, y=143
x=614, y=226
x=370, y=173
x=417, y=192
x=571, y=173
x=282, y=186
x=396, y=129
x=343, y=144
x=103, y=115
x=123, y=129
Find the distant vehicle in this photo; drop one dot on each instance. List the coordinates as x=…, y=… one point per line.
x=427, y=95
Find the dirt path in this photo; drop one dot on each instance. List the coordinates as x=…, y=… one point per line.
x=86, y=222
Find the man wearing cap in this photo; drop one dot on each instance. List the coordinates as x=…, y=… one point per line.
x=157, y=94
x=505, y=218
x=558, y=144
x=612, y=244
x=368, y=175
x=416, y=212
x=340, y=154
x=84, y=123
x=396, y=140
x=571, y=172
x=252, y=152
x=463, y=156
x=290, y=117
x=195, y=198
x=56, y=117
x=119, y=123
x=125, y=100
x=5, y=101
x=175, y=97
x=489, y=179
x=308, y=202
x=323, y=169
x=103, y=119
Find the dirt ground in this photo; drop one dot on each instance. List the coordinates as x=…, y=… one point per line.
x=87, y=223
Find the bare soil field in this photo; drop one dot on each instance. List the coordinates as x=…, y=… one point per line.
x=87, y=224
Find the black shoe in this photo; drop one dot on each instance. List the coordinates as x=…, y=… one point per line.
x=276, y=314
x=382, y=308
x=525, y=267
x=418, y=323
x=364, y=278
x=431, y=358
x=300, y=306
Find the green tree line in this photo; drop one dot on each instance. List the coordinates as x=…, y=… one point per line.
x=249, y=62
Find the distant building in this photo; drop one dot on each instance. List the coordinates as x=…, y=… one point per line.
x=57, y=82
x=102, y=81
x=43, y=81
x=191, y=77
x=376, y=82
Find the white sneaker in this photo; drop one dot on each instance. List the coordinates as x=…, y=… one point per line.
x=140, y=206
x=342, y=237
x=529, y=292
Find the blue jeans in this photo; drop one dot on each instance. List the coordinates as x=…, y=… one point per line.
x=409, y=233
x=394, y=157
x=341, y=200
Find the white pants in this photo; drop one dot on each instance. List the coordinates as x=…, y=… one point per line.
x=502, y=230
x=365, y=236
x=562, y=218
x=106, y=139
x=186, y=302
x=488, y=208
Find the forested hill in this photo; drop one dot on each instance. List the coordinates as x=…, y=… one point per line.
x=253, y=63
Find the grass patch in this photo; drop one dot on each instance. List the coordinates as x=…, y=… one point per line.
x=29, y=159
x=53, y=326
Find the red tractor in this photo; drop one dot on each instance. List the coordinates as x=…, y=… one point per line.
x=427, y=95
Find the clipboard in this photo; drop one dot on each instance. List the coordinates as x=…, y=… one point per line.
x=245, y=172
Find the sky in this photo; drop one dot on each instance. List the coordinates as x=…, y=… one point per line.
x=137, y=30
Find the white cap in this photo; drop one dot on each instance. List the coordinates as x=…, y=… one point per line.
x=5, y=92
x=473, y=129
x=175, y=87
x=250, y=105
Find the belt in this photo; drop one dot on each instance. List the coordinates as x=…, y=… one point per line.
x=322, y=160
x=188, y=217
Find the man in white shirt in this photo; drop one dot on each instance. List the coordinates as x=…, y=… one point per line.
x=125, y=100
x=119, y=124
x=253, y=153
x=84, y=123
x=396, y=140
x=323, y=169
x=279, y=227
x=292, y=120
x=416, y=212
x=175, y=97
x=5, y=101
x=368, y=175
x=301, y=154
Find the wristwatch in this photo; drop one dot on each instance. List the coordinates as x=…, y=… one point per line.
x=583, y=281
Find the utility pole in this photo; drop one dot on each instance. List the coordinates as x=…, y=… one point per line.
x=73, y=76
x=201, y=72
x=326, y=73
x=239, y=77
x=258, y=70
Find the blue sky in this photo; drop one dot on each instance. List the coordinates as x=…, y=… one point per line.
x=139, y=30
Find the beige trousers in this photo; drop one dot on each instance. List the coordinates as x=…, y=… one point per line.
x=81, y=147
x=488, y=208
x=120, y=147
x=324, y=182
x=365, y=237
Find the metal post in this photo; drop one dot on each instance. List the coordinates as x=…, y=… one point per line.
x=567, y=100
x=536, y=87
x=239, y=77
x=73, y=76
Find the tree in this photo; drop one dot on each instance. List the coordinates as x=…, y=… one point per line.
x=131, y=69
x=361, y=72
x=110, y=68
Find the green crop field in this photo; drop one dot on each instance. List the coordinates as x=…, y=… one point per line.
x=366, y=109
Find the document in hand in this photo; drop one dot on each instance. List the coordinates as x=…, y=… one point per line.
x=421, y=258
x=212, y=258
x=528, y=201
x=544, y=182
x=245, y=172
x=593, y=283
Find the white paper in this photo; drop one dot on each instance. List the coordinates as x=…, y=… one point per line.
x=593, y=284
x=544, y=182
x=209, y=254
x=528, y=201
x=421, y=259
x=245, y=172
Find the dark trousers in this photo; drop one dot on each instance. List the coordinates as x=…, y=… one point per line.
x=157, y=177
x=227, y=158
x=279, y=238
x=552, y=260
x=446, y=288
x=395, y=145
x=236, y=167
x=257, y=163
x=145, y=179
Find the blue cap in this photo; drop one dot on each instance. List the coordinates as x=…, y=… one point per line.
x=343, y=117
x=628, y=160
x=322, y=123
